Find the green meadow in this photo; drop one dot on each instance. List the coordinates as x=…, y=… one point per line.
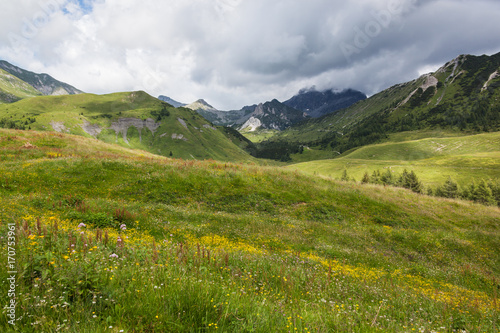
x=463, y=158
x=109, y=239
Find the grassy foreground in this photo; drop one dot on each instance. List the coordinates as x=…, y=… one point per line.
x=113, y=240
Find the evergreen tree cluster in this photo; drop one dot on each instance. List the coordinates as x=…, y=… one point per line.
x=486, y=193
x=17, y=124
x=407, y=179
x=277, y=150
x=163, y=113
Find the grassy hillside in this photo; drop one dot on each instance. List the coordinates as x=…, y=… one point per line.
x=13, y=89
x=131, y=119
x=110, y=241
x=463, y=158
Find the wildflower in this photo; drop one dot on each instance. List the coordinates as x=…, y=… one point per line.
x=114, y=255
x=123, y=227
x=81, y=225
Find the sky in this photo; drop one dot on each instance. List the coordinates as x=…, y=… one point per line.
x=242, y=52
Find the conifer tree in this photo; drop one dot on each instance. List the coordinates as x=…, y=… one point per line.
x=387, y=178
x=484, y=194
x=366, y=178
x=495, y=190
x=448, y=190
x=410, y=181
x=375, y=179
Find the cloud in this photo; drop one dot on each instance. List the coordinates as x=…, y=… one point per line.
x=239, y=52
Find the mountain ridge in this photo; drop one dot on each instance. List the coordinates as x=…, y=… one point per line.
x=317, y=103
x=13, y=89
x=44, y=83
x=268, y=115
x=171, y=101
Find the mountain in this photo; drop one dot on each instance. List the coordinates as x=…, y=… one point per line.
x=13, y=89
x=269, y=115
x=44, y=83
x=463, y=96
x=223, y=118
x=131, y=119
x=170, y=101
x=201, y=104
x=319, y=103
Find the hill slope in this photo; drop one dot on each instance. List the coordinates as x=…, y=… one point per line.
x=228, y=247
x=132, y=119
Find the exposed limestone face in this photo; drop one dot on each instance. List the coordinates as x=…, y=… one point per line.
x=259, y=110
x=58, y=126
x=491, y=78
x=183, y=123
x=178, y=137
x=209, y=127
x=253, y=123
x=91, y=129
x=430, y=81
x=123, y=124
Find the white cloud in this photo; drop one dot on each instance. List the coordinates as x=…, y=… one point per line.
x=238, y=52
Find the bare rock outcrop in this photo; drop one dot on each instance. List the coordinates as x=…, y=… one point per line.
x=91, y=129
x=123, y=124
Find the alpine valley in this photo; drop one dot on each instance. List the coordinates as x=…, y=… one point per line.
x=328, y=212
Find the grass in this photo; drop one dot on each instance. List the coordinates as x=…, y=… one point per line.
x=463, y=158
x=110, y=240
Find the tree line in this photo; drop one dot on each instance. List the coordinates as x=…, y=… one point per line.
x=484, y=192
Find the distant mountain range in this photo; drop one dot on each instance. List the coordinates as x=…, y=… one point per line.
x=15, y=84
x=268, y=115
x=279, y=116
